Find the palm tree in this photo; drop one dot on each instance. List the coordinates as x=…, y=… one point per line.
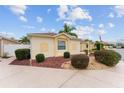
x=24, y=40
x=100, y=38
x=68, y=29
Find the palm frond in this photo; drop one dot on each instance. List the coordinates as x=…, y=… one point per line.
x=73, y=34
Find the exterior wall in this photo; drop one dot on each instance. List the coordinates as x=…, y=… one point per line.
x=106, y=47
x=42, y=45
x=0, y=47
x=74, y=47
x=49, y=46
x=84, y=46
x=4, y=42
x=63, y=38
x=10, y=48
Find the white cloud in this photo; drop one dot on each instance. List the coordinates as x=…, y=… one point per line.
x=48, y=10
x=28, y=26
x=101, y=25
x=45, y=30
x=72, y=14
x=111, y=25
x=83, y=31
x=79, y=14
x=39, y=19
x=119, y=10
x=111, y=15
x=22, y=18
x=62, y=10
x=7, y=34
x=68, y=22
x=18, y=9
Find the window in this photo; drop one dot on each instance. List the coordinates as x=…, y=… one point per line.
x=61, y=45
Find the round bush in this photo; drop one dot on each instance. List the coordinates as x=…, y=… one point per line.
x=107, y=57
x=22, y=54
x=40, y=58
x=66, y=54
x=80, y=61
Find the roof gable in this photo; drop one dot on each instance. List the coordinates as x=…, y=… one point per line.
x=63, y=34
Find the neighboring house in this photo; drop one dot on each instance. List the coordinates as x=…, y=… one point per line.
x=6, y=41
x=118, y=46
x=87, y=45
x=52, y=44
x=106, y=45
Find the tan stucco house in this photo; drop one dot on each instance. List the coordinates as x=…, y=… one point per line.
x=87, y=45
x=6, y=41
x=52, y=44
x=106, y=45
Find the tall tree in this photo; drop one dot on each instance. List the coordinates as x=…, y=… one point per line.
x=99, y=45
x=68, y=29
x=24, y=40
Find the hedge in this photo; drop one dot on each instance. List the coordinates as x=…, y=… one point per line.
x=107, y=57
x=22, y=54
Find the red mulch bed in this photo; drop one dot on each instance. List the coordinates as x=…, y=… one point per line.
x=52, y=62
x=20, y=62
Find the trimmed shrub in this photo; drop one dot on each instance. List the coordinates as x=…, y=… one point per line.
x=22, y=54
x=66, y=54
x=80, y=61
x=107, y=57
x=122, y=46
x=40, y=58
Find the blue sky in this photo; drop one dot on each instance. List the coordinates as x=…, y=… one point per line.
x=90, y=21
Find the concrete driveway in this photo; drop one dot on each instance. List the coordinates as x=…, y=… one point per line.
x=27, y=76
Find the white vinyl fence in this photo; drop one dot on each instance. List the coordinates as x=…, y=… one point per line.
x=10, y=49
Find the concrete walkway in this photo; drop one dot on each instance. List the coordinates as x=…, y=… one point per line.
x=27, y=76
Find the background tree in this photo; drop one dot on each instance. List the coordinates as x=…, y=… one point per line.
x=68, y=29
x=88, y=40
x=99, y=45
x=24, y=40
